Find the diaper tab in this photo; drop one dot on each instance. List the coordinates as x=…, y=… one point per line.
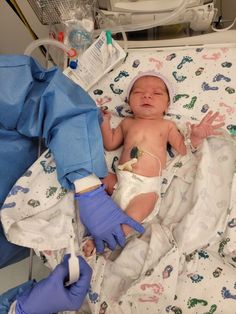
x=128, y=165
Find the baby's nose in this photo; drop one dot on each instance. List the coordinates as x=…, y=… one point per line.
x=147, y=94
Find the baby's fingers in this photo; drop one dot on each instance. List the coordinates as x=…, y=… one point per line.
x=207, y=116
x=104, y=111
x=218, y=125
x=210, y=117
x=217, y=133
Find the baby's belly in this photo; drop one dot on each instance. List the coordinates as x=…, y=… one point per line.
x=149, y=163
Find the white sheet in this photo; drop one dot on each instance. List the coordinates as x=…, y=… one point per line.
x=179, y=249
x=185, y=251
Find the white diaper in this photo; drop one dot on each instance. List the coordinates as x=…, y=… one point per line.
x=130, y=184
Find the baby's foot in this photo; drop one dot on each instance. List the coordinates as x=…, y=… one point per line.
x=219, y=77
x=232, y=223
x=136, y=63
x=199, y=71
x=178, y=96
x=167, y=271
x=205, y=108
x=16, y=189
x=193, y=302
x=191, y=104
x=185, y=60
x=232, y=128
x=179, y=78
x=226, y=64
x=88, y=248
x=8, y=205
x=47, y=168
x=206, y=87
x=174, y=309
x=120, y=75
x=226, y=294
x=117, y=91
x=212, y=309
x=230, y=90
x=171, y=56
x=27, y=173
x=119, y=110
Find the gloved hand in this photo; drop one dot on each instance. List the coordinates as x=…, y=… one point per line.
x=103, y=218
x=50, y=295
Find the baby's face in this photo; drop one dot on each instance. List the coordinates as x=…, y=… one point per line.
x=149, y=97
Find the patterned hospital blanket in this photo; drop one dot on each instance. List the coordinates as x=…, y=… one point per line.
x=183, y=263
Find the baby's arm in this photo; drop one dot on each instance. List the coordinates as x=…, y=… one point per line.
x=176, y=139
x=112, y=138
x=205, y=128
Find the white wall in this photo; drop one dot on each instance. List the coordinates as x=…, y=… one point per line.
x=228, y=10
x=14, y=35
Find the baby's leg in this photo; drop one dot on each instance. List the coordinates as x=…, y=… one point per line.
x=139, y=208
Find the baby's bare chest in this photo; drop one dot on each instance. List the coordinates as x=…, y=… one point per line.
x=147, y=130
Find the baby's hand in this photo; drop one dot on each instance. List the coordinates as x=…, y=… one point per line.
x=106, y=114
x=205, y=128
x=109, y=181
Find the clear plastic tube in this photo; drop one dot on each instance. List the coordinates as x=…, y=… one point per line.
x=225, y=28
x=146, y=25
x=125, y=40
x=71, y=52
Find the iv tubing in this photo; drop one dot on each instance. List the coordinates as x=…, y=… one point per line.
x=71, y=52
x=132, y=28
x=225, y=28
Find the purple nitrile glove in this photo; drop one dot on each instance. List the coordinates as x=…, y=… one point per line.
x=50, y=294
x=103, y=218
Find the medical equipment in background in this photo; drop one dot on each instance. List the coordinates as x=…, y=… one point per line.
x=143, y=6
x=79, y=18
x=71, y=25
x=130, y=15
x=124, y=16
x=199, y=13
x=51, y=12
x=71, y=52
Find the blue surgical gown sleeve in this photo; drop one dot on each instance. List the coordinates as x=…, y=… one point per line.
x=7, y=298
x=35, y=102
